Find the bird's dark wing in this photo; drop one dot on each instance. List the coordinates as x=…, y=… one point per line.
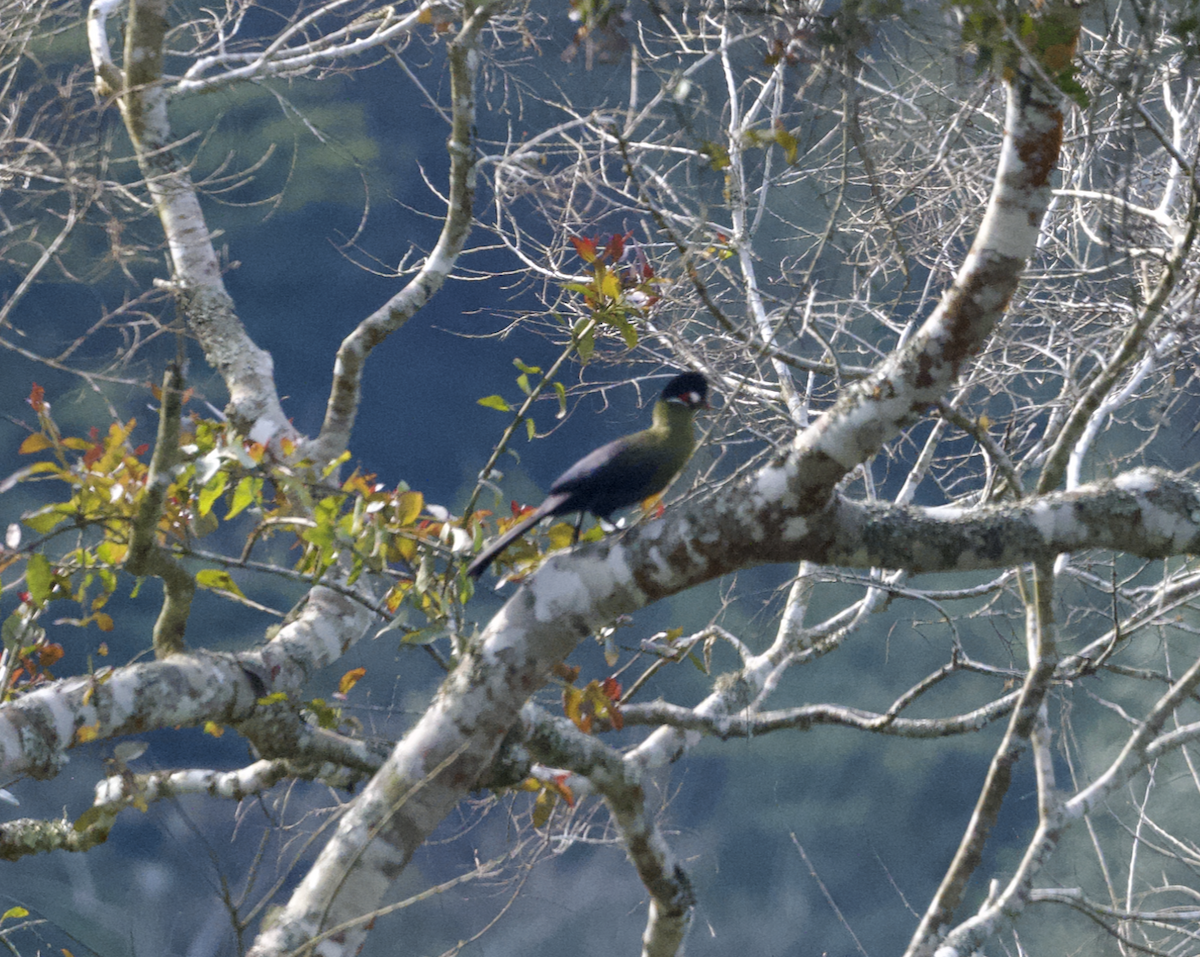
x=616, y=475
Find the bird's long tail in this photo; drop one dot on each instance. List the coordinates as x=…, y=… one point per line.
x=489, y=554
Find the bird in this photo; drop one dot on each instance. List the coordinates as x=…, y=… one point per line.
x=623, y=472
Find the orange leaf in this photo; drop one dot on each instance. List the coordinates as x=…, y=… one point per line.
x=48, y=654
x=585, y=247
x=350, y=679
x=567, y=672
x=37, y=398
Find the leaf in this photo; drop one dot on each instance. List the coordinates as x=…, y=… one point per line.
x=791, y=148
x=718, y=156
x=586, y=248
x=495, y=402
x=350, y=679
x=408, y=507
x=34, y=443
x=14, y=912
x=111, y=553
x=248, y=491
x=48, y=654
x=39, y=577
x=422, y=636
x=45, y=518
x=103, y=621
x=328, y=717
x=217, y=579
x=585, y=341
x=542, y=808
x=214, y=729
x=89, y=732
x=212, y=491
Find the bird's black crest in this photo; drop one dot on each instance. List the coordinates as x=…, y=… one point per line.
x=691, y=387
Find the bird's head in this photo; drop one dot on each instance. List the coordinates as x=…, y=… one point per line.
x=688, y=389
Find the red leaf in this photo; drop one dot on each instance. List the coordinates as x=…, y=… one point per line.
x=615, y=247
x=37, y=398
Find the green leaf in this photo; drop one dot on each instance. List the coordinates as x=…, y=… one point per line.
x=39, y=577
x=585, y=341
x=218, y=579
x=718, y=156
x=531, y=370
x=248, y=491
x=212, y=491
x=44, y=519
x=422, y=636
x=495, y=402
x=791, y=148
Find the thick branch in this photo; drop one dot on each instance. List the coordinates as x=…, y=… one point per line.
x=145, y=555
x=346, y=389
x=37, y=729
x=246, y=369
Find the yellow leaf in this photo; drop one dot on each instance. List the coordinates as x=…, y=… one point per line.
x=89, y=732
x=610, y=284
x=34, y=443
x=408, y=507
x=350, y=679
x=211, y=727
x=543, y=807
x=561, y=535
x=104, y=621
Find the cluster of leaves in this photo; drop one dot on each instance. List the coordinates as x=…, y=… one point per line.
x=620, y=288
x=595, y=706
x=1004, y=34
x=530, y=390
x=215, y=471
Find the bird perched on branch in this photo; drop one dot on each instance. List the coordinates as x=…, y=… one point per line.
x=623, y=472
